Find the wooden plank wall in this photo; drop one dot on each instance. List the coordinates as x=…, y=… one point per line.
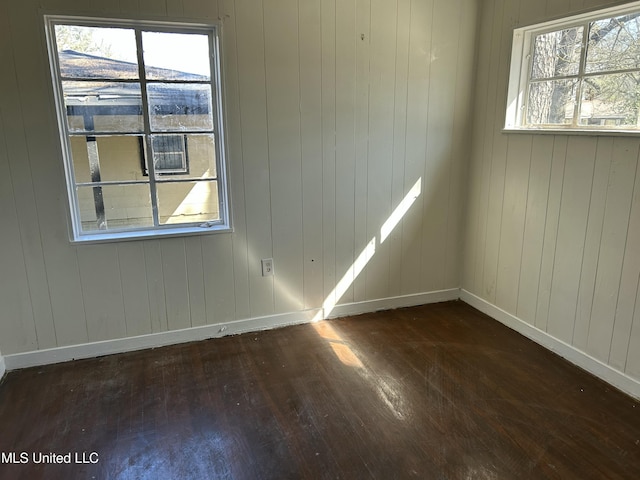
x=553, y=221
x=334, y=110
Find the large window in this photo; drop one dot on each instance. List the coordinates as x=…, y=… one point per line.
x=140, y=117
x=578, y=73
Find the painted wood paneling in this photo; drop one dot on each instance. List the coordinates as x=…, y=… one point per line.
x=42, y=157
x=174, y=8
x=133, y=277
x=533, y=234
x=403, y=31
x=380, y=162
x=561, y=234
x=236, y=166
x=629, y=283
x=499, y=145
x=330, y=276
x=152, y=7
x=283, y=118
x=209, y=9
x=176, y=283
x=557, y=8
x=593, y=235
x=14, y=288
x=545, y=281
x=362, y=100
x=196, y=289
x=632, y=367
x=492, y=19
x=249, y=28
x=217, y=264
x=476, y=187
x=102, y=292
x=333, y=110
x=155, y=285
x=513, y=217
x=439, y=143
x=572, y=225
x=462, y=128
x=345, y=166
x=624, y=159
x=311, y=150
x=415, y=144
x=18, y=171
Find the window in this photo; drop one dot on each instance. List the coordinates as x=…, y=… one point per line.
x=141, y=127
x=580, y=73
x=169, y=155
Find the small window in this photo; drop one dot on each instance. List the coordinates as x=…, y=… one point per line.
x=169, y=155
x=580, y=73
x=141, y=127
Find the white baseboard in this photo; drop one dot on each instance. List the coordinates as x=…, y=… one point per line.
x=108, y=347
x=394, y=302
x=583, y=360
x=3, y=368
x=152, y=340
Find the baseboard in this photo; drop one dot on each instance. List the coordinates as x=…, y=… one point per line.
x=583, y=360
x=3, y=368
x=152, y=340
x=394, y=302
x=108, y=347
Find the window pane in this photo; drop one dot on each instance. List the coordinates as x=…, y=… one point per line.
x=120, y=158
x=179, y=107
x=188, y=202
x=614, y=44
x=551, y=102
x=557, y=53
x=112, y=158
x=611, y=100
x=115, y=207
x=165, y=58
x=103, y=106
x=197, y=160
x=80, y=158
x=96, y=52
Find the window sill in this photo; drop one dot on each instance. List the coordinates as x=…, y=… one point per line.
x=573, y=131
x=125, y=236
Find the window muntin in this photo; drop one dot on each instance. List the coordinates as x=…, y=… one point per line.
x=579, y=73
x=141, y=126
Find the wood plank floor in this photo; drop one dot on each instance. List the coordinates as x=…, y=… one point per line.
x=433, y=392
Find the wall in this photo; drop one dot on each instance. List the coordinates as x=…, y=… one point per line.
x=2, y=366
x=553, y=224
x=335, y=111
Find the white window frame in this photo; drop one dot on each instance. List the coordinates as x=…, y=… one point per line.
x=223, y=224
x=520, y=72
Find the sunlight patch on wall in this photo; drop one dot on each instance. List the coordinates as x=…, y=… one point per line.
x=369, y=251
x=400, y=211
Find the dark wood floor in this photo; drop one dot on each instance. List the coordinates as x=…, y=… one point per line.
x=433, y=392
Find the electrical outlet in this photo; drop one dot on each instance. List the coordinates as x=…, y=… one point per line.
x=267, y=267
